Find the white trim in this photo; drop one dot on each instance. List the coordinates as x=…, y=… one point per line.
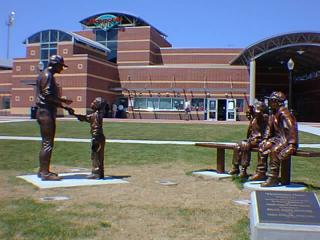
x=214, y=66
x=22, y=89
x=169, y=81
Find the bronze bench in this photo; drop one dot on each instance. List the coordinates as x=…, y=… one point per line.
x=285, y=169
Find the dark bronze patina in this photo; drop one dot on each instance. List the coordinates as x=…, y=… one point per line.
x=48, y=101
x=98, y=139
x=241, y=157
x=281, y=137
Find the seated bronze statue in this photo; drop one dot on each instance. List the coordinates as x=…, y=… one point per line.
x=241, y=157
x=281, y=137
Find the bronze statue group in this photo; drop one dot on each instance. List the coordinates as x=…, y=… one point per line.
x=48, y=101
x=274, y=134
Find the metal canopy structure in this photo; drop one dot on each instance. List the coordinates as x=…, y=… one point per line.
x=267, y=63
x=273, y=53
x=127, y=20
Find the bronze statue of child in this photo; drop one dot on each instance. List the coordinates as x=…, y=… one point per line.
x=98, y=139
x=258, y=121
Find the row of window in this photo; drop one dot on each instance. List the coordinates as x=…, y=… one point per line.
x=159, y=103
x=176, y=104
x=50, y=36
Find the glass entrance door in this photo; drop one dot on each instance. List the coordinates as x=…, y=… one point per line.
x=212, y=109
x=231, y=109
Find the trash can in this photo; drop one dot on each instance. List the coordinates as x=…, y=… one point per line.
x=33, y=112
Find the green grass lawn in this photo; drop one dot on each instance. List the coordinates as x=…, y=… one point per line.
x=22, y=217
x=145, y=131
x=22, y=154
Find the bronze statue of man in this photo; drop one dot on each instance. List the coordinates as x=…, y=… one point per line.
x=48, y=101
x=281, y=137
x=258, y=121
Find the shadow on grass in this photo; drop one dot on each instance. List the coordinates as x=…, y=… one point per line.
x=84, y=176
x=310, y=187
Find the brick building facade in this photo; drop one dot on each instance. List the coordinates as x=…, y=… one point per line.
x=131, y=64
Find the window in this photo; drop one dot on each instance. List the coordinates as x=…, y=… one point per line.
x=5, y=102
x=140, y=103
x=178, y=103
x=64, y=37
x=165, y=103
x=101, y=36
x=109, y=38
x=155, y=103
x=230, y=105
x=112, y=34
x=34, y=38
x=240, y=105
x=47, y=50
x=197, y=104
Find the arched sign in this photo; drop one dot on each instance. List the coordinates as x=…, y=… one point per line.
x=104, y=22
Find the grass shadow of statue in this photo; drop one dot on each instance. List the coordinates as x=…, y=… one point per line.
x=79, y=176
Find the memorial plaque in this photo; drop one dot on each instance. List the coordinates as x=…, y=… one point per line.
x=288, y=207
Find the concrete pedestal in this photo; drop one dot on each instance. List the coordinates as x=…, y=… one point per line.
x=256, y=185
x=211, y=174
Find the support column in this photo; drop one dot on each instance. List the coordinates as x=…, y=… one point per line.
x=252, y=81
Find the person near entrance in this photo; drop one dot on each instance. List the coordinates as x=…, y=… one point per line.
x=48, y=101
x=281, y=137
x=257, y=114
x=187, y=109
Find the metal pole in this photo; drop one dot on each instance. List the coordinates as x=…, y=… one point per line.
x=252, y=82
x=8, y=42
x=290, y=91
x=9, y=24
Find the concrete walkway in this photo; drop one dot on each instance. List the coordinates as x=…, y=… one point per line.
x=309, y=128
x=154, y=142
x=313, y=128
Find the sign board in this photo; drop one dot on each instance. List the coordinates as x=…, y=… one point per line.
x=105, y=21
x=288, y=207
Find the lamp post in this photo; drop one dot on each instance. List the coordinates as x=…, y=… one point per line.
x=290, y=65
x=9, y=23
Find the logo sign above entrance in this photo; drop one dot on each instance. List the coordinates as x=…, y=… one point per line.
x=104, y=22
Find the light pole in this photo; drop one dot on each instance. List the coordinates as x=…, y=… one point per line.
x=9, y=23
x=290, y=65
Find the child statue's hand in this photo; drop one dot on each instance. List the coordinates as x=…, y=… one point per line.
x=70, y=110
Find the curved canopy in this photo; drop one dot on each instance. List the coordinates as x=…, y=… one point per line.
x=125, y=20
x=302, y=47
x=53, y=35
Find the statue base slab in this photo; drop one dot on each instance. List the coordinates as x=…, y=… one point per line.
x=211, y=174
x=256, y=186
x=73, y=179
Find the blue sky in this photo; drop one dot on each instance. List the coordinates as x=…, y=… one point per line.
x=189, y=24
